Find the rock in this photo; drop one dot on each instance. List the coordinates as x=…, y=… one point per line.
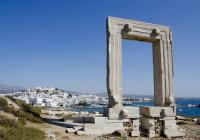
x=76, y=128
x=121, y=133
x=79, y=133
x=180, y=118
x=70, y=130
x=198, y=120
x=183, y=118
x=194, y=120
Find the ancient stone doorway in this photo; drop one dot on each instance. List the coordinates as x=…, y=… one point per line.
x=160, y=37
x=153, y=121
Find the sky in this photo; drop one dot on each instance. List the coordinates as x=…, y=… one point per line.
x=62, y=43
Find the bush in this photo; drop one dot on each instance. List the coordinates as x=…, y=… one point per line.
x=21, y=133
x=21, y=121
x=6, y=122
x=11, y=130
x=3, y=132
x=4, y=105
x=28, y=116
x=83, y=103
x=33, y=110
x=15, y=130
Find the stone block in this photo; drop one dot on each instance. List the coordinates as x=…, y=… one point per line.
x=122, y=113
x=83, y=119
x=170, y=124
x=133, y=112
x=100, y=120
x=70, y=130
x=77, y=119
x=113, y=113
x=135, y=133
x=174, y=132
x=88, y=119
x=151, y=135
x=168, y=112
x=150, y=111
x=117, y=121
x=104, y=128
x=135, y=125
x=156, y=111
x=148, y=123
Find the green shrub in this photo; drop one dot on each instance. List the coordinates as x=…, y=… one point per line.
x=6, y=122
x=28, y=116
x=21, y=121
x=33, y=110
x=15, y=130
x=21, y=133
x=3, y=104
x=3, y=132
x=5, y=107
x=11, y=130
x=25, y=133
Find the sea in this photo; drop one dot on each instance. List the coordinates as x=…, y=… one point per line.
x=185, y=107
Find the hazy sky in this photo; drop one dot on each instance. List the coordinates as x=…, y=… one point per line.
x=62, y=43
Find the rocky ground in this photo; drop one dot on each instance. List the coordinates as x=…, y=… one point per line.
x=54, y=129
x=192, y=130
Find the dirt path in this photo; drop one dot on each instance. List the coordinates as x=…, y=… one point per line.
x=55, y=128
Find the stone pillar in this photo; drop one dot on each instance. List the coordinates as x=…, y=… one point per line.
x=158, y=68
x=114, y=67
x=163, y=72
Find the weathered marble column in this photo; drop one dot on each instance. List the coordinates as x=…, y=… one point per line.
x=163, y=71
x=114, y=66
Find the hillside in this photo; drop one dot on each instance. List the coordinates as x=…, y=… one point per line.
x=14, y=114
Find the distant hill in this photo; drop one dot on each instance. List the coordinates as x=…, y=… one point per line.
x=5, y=89
x=71, y=92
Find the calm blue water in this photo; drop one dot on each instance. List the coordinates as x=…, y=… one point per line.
x=182, y=107
x=188, y=111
